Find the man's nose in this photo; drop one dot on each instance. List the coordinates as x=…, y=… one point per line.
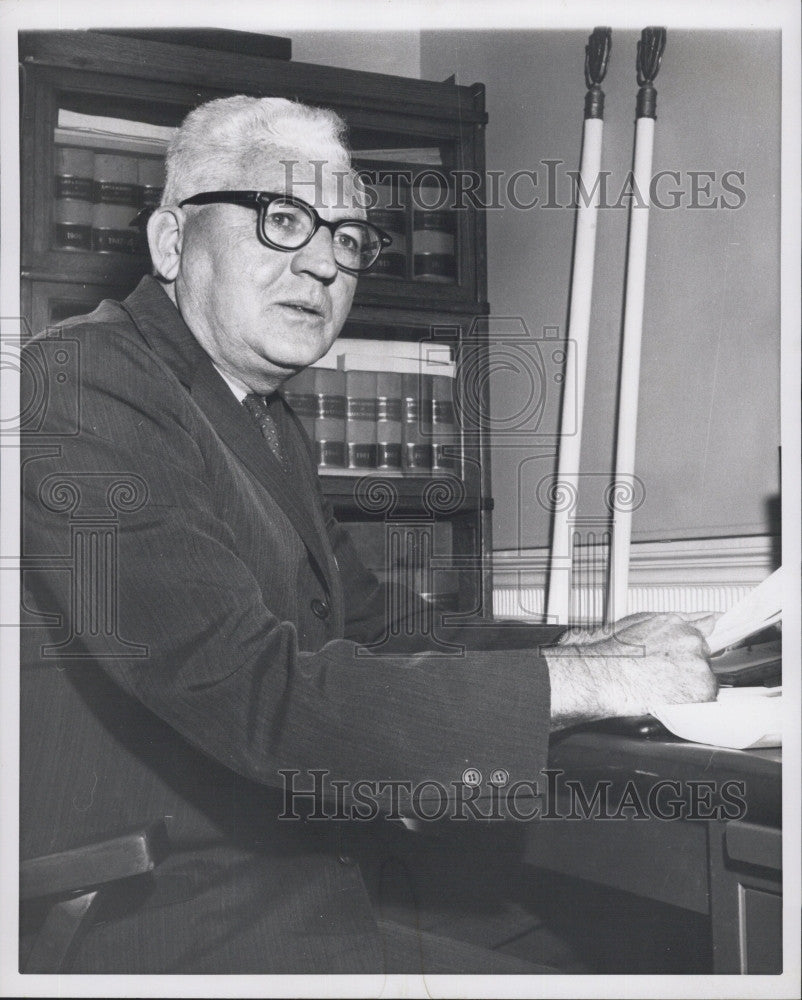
x=317, y=257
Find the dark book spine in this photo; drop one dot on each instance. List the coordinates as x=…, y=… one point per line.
x=443, y=423
x=330, y=418
x=360, y=419
x=433, y=245
x=74, y=194
x=388, y=420
x=116, y=204
x=299, y=392
x=392, y=262
x=416, y=402
x=150, y=173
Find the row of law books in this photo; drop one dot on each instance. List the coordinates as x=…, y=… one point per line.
x=106, y=171
x=422, y=228
x=379, y=405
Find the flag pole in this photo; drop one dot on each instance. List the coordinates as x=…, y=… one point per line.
x=650, y=52
x=597, y=53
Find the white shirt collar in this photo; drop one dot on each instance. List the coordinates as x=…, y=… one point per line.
x=239, y=390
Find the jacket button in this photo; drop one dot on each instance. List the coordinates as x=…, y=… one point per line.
x=320, y=608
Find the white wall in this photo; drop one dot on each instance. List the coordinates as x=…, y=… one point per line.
x=708, y=425
x=393, y=52
x=708, y=429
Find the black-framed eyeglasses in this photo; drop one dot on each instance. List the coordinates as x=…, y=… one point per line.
x=287, y=223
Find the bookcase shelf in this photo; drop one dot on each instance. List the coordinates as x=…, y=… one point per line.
x=115, y=99
x=397, y=496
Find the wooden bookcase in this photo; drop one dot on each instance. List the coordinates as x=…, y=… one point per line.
x=417, y=131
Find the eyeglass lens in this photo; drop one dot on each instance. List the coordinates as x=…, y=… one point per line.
x=289, y=225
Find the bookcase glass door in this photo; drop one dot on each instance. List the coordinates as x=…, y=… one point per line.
x=97, y=145
x=94, y=134
x=410, y=193
x=97, y=156
x=106, y=172
x=109, y=171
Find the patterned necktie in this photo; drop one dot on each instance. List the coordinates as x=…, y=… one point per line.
x=259, y=409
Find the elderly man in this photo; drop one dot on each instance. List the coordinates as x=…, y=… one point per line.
x=240, y=647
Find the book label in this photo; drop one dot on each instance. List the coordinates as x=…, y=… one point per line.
x=303, y=403
x=361, y=409
x=388, y=408
x=411, y=409
x=71, y=186
x=115, y=240
x=417, y=457
x=388, y=455
x=73, y=236
x=361, y=456
x=116, y=193
x=439, y=220
x=330, y=454
x=442, y=411
x=442, y=266
x=151, y=197
x=330, y=407
x=391, y=219
x=441, y=461
x=390, y=265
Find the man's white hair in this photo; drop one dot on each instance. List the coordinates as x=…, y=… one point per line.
x=219, y=142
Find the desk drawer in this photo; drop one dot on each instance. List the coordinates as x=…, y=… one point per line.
x=664, y=861
x=747, y=905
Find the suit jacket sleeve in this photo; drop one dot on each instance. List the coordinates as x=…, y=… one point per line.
x=205, y=653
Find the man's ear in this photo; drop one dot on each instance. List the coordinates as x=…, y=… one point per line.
x=165, y=239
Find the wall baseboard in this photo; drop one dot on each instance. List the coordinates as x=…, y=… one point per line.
x=709, y=574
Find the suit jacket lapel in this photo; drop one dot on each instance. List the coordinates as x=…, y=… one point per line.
x=162, y=326
x=240, y=433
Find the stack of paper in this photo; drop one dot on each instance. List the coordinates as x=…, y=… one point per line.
x=741, y=719
x=760, y=608
x=103, y=132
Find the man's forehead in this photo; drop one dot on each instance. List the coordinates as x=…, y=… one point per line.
x=324, y=184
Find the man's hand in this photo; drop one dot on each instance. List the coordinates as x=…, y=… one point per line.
x=641, y=661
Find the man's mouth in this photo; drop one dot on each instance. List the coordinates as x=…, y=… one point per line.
x=304, y=308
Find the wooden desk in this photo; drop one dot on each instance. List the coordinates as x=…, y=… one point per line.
x=725, y=864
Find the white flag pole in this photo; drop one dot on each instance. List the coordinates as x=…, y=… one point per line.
x=650, y=52
x=565, y=489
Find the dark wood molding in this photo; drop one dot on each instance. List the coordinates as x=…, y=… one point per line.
x=248, y=43
x=86, y=50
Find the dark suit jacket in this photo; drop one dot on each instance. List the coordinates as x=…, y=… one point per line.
x=206, y=630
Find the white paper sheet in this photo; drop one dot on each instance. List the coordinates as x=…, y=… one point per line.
x=760, y=608
x=741, y=719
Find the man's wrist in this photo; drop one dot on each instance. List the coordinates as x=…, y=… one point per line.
x=582, y=688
